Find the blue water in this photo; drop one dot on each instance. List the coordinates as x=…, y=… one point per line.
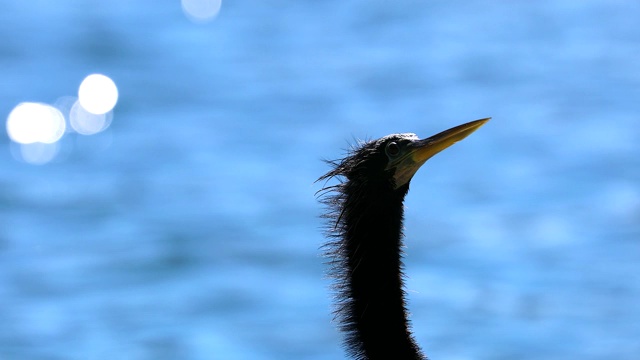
x=189, y=229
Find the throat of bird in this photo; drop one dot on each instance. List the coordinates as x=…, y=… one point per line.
x=377, y=311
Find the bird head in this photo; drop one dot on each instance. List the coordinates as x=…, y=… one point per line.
x=406, y=153
x=394, y=159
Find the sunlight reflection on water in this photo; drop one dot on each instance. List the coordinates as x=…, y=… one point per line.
x=201, y=10
x=35, y=128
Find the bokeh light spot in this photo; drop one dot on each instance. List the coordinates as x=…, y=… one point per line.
x=201, y=10
x=32, y=122
x=87, y=123
x=38, y=153
x=98, y=94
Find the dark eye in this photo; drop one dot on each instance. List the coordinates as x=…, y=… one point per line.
x=393, y=149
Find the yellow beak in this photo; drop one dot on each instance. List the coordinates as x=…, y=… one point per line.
x=422, y=150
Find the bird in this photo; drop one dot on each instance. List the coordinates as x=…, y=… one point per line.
x=364, y=228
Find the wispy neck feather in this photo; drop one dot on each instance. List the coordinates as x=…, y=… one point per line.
x=366, y=259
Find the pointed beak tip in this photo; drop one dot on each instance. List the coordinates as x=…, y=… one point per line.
x=482, y=121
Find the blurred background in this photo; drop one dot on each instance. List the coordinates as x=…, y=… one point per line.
x=157, y=174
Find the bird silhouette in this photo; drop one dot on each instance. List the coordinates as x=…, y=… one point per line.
x=365, y=216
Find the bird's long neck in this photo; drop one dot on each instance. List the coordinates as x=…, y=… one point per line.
x=375, y=319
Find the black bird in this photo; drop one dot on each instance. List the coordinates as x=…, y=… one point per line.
x=365, y=230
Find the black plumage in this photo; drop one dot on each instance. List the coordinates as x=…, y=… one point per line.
x=365, y=216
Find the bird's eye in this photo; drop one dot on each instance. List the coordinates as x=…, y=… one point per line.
x=393, y=149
